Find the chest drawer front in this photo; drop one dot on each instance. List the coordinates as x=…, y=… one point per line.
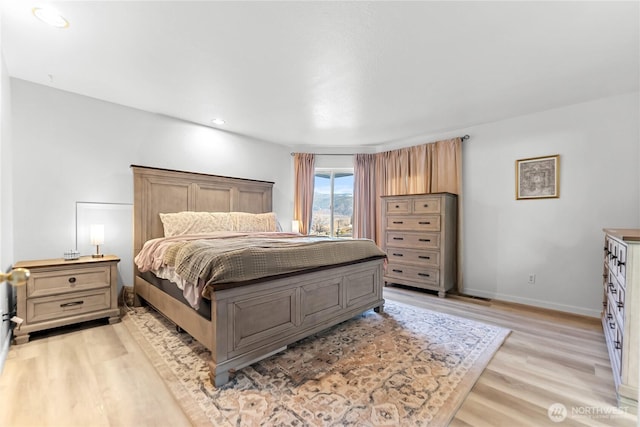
x=424, y=275
x=409, y=256
x=57, y=307
x=413, y=240
x=53, y=282
x=414, y=223
x=397, y=207
x=620, y=264
x=426, y=205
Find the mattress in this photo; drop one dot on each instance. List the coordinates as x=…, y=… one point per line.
x=205, y=263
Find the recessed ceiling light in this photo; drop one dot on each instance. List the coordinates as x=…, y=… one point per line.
x=218, y=121
x=50, y=16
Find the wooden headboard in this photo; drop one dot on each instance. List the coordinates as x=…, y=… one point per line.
x=167, y=191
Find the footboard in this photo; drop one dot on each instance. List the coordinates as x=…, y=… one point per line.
x=255, y=321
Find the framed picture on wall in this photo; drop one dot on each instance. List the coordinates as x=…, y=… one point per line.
x=538, y=177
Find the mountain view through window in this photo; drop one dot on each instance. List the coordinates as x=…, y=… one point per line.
x=333, y=204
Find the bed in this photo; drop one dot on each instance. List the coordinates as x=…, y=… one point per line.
x=254, y=319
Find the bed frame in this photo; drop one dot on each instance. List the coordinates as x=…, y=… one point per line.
x=251, y=322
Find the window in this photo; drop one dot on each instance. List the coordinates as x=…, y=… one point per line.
x=333, y=203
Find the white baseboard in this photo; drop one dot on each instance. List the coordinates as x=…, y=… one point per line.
x=533, y=302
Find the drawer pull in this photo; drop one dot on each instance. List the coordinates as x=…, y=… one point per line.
x=618, y=345
x=398, y=222
x=71, y=304
x=398, y=238
x=72, y=280
x=424, y=257
x=609, y=316
x=612, y=325
x=424, y=222
x=424, y=274
x=397, y=206
x=397, y=271
x=425, y=205
x=398, y=254
x=621, y=263
x=620, y=304
x=424, y=240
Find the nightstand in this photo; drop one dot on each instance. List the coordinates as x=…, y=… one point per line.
x=61, y=292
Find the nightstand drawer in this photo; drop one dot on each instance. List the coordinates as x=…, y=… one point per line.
x=59, y=281
x=50, y=308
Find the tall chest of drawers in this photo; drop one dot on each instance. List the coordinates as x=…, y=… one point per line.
x=419, y=237
x=620, y=313
x=61, y=292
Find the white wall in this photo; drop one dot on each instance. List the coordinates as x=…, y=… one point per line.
x=6, y=225
x=559, y=240
x=70, y=148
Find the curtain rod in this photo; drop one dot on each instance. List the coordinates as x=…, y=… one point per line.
x=463, y=138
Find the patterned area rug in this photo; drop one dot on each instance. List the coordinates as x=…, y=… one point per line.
x=408, y=366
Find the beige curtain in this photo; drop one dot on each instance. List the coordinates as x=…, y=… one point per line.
x=364, y=196
x=304, y=170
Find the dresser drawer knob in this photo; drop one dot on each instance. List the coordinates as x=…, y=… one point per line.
x=397, y=206
x=609, y=316
x=72, y=280
x=620, y=304
x=424, y=222
x=398, y=222
x=425, y=205
x=71, y=304
x=612, y=325
x=398, y=238
x=397, y=271
x=618, y=345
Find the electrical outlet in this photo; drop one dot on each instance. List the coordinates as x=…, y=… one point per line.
x=532, y=278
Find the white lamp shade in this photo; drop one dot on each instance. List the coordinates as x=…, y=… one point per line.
x=295, y=226
x=97, y=234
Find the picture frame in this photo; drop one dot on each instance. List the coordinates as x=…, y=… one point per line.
x=538, y=177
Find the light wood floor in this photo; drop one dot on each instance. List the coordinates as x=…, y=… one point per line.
x=99, y=376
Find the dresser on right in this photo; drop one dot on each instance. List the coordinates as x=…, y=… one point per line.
x=419, y=237
x=621, y=311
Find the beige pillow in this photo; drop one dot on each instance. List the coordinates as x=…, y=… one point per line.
x=176, y=224
x=247, y=222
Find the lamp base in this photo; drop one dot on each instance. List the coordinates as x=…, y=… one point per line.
x=97, y=256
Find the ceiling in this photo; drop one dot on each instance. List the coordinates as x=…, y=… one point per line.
x=331, y=74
